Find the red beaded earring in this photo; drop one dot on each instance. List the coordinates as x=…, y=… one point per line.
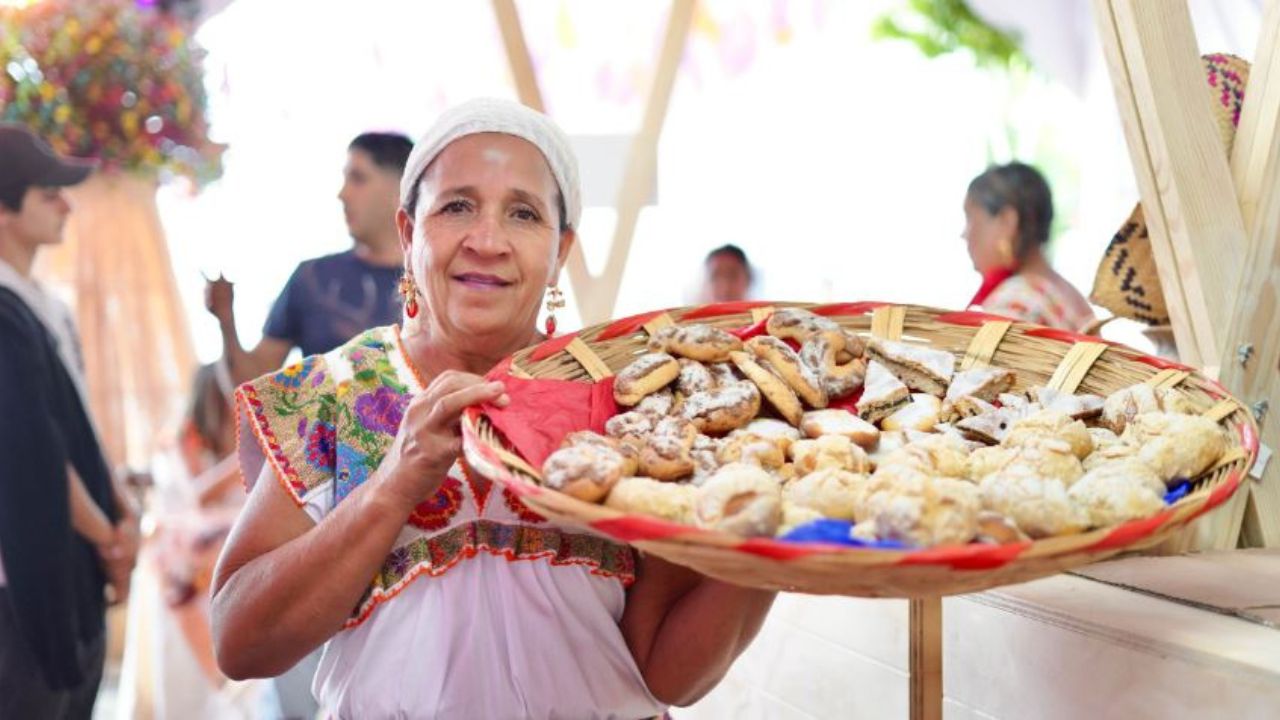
x=410, y=292
x=555, y=301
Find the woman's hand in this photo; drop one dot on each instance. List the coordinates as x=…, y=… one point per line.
x=430, y=440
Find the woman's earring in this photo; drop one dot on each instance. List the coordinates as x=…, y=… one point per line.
x=555, y=301
x=1007, y=257
x=410, y=292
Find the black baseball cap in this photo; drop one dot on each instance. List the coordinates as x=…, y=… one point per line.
x=26, y=161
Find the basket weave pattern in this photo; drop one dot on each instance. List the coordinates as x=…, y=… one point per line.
x=1040, y=356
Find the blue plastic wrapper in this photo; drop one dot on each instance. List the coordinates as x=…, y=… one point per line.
x=835, y=532
x=1177, y=492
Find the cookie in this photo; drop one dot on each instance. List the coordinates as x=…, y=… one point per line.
x=742, y=499
x=645, y=375
x=668, y=451
x=695, y=342
x=782, y=398
x=694, y=378
x=823, y=354
x=785, y=363
x=724, y=409
x=587, y=472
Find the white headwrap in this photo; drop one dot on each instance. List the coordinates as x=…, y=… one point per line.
x=485, y=115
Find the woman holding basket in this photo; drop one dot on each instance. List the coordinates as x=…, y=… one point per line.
x=434, y=592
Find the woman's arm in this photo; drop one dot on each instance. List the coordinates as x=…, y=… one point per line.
x=685, y=629
x=284, y=584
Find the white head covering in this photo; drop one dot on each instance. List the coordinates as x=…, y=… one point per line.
x=484, y=115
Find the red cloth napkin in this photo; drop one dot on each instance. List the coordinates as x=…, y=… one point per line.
x=542, y=412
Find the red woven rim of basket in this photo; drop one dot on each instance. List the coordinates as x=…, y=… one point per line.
x=639, y=528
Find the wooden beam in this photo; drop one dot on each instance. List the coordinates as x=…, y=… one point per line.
x=596, y=296
x=518, y=57
x=1258, y=117
x=1198, y=235
x=925, y=626
x=1256, y=169
x=1183, y=175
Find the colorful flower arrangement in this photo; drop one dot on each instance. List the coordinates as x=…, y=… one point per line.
x=109, y=79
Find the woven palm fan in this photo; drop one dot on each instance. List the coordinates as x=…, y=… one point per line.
x=1127, y=282
x=1039, y=355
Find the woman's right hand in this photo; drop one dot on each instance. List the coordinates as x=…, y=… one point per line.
x=430, y=440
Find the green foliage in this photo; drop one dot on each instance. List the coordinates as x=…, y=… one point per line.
x=939, y=27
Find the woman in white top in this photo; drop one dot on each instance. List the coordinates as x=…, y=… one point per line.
x=477, y=607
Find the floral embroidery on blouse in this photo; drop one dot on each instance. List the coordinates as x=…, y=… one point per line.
x=325, y=425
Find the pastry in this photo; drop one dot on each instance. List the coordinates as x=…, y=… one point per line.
x=628, y=452
x=932, y=455
x=1053, y=424
x=833, y=421
x=658, y=405
x=921, y=368
x=782, y=398
x=823, y=354
x=922, y=414
x=991, y=427
x=1046, y=456
x=723, y=409
x=669, y=501
x=778, y=357
x=1039, y=506
x=695, y=342
x=996, y=529
x=829, y=451
x=944, y=512
x=694, y=378
x=969, y=387
x=668, y=450
x=645, y=375
x=1123, y=405
x=793, y=516
x=1119, y=491
x=628, y=424
x=1175, y=446
x=882, y=394
x=587, y=472
x=1078, y=407
x=748, y=448
x=831, y=491
x=742, y=499
x=781, y=433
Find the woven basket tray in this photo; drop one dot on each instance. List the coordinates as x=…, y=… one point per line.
x=1041, y=356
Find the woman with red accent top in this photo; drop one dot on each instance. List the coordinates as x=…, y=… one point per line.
x=1008, y=211
x=434, y=592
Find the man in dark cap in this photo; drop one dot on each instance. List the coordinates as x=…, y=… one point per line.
x=66, y=533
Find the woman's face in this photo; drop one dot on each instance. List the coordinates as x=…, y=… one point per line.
x=485, y=241
x=990, y=238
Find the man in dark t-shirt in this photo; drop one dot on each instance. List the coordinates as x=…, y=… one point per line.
x=329, y=300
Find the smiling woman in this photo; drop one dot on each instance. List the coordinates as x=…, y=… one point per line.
x=477, y=607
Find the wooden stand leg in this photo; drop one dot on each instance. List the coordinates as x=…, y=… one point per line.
x=926, y=658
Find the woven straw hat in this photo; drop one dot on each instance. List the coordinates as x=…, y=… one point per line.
x=1127, y=283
